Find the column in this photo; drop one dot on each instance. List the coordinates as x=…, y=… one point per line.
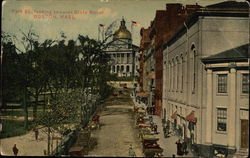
x=120, y=58
x=125, y=58
x=172, y=77
x=232, y=108
x=116, y=60
x=209, y=112
x=177, y=76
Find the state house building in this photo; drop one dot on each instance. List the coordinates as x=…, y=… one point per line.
x=124, y=59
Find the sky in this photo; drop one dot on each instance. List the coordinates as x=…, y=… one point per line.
x=48, y=18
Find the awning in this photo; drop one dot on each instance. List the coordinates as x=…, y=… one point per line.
x=151, y=75
x=191, y=117
x=174, y=115
x=142, y=94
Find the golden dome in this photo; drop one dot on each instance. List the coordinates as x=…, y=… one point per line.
x=122, y=32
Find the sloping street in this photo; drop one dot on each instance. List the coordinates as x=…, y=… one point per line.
x=117, y=129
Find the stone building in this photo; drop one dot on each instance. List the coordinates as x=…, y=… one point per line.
x=190, y=99
x=227, y=75
x=123, y=54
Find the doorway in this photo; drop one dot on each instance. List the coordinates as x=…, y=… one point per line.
x=244, y=134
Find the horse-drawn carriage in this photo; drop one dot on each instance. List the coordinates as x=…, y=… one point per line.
x=82, y=144
x=150, y=146
x=139, y=120
x=143, y=131
x=76, y=151
x=95, y=123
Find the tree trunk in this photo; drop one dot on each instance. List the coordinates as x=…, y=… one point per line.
x=35, y=107
x=48, y=141
x=25, y=108
x=44, y=104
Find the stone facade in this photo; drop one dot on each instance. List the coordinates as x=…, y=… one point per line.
x=123, y=54
x=189, y=90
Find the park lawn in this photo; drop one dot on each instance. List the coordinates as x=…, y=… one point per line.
x=20, y=112
x=11, y=128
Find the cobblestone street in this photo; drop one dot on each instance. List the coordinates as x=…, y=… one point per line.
x=117, y=129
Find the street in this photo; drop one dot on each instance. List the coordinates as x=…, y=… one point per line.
x=117, y=129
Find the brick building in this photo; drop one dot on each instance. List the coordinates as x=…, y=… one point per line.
x=162, y=28
x=144, y=44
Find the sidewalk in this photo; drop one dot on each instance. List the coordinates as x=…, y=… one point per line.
x=26, y=144
x=168, y=144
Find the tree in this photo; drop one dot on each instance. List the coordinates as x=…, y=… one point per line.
x=64, y=111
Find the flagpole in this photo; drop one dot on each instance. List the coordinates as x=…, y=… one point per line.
x=102, y=34
x=131, y=31
x=98, y=32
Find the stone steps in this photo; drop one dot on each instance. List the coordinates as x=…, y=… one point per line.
x=241, y=153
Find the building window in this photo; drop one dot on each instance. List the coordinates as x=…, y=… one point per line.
x=169, y=75
x=127, y=68
x=194, y=67
x=177, y=73
x=221, y=119
x=222, y=83
x=182, y=73
x=194, y=72
x=173, y=74
x=245, y=83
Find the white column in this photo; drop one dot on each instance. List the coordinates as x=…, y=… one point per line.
x=125, y=58
x=209, y=113
x=173, y=77
x=116, y=60
x=232, y=108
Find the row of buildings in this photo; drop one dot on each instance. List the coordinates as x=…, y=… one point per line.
x=194, y=72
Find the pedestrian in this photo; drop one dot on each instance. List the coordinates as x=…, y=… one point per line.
x=184, y=146
x=155, y=129
x=179, y=147
x=131, y=152
x=15, y=150
x=36, y=133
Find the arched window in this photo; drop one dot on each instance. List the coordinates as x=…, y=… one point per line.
x=177, y=73
x=173, y=75
x=113, y=68
x=127, y=68
x=193, y=49
x=118, y=68
x=122, y=68
x=169, y=75
x=182, y=72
